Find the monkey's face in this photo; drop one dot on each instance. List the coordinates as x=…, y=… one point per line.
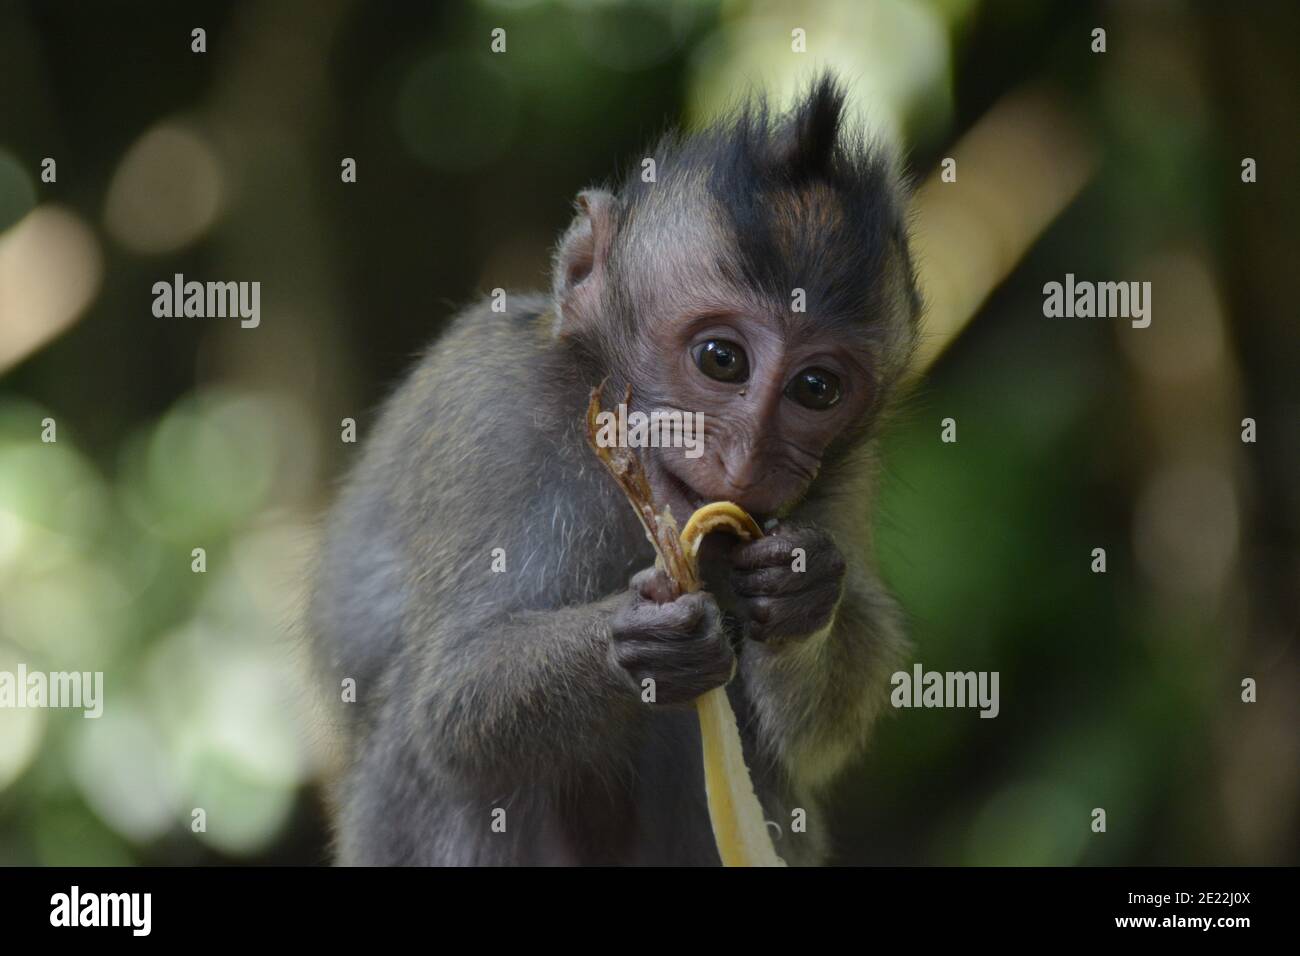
x=761, y=282
x=775, y=393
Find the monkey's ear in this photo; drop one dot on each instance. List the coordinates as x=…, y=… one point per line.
x=579, y=272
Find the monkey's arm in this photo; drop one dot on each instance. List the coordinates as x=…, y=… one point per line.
x=529, y=692
x=547, y=692
x=815, y=699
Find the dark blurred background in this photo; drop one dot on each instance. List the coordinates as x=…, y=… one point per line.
x=1119, y=690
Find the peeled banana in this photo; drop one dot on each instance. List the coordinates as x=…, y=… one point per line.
x=739, y=828
x=719, y=516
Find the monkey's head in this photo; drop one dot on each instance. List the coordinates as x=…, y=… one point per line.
x=758, y=273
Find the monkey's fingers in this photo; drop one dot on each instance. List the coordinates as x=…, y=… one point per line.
x=655, y=584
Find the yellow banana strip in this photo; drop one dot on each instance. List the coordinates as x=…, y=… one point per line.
x=719, y=516
x=739, y=828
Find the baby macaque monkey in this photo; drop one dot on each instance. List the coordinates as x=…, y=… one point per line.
x=491, y=593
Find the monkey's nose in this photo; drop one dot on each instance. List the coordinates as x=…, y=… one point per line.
x=750, y=490
x=740, y=479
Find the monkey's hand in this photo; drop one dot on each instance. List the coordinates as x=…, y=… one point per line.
x=788, y=583
x=677, y=641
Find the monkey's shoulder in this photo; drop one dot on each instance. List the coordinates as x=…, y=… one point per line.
x=483, y=364
x=522, y=326
x=492, y=412
x=480, y=456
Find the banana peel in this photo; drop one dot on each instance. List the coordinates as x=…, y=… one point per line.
x=739, y=827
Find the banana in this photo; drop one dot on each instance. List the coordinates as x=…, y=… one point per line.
x=739, y=828
x=719, y=516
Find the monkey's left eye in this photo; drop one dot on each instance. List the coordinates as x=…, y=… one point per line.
x=722, y=360
x=814, y=388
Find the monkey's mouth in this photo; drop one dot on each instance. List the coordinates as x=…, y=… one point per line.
x=680, y=496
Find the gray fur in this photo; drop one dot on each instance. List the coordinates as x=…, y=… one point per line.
x=517, y=690
x=480, y=690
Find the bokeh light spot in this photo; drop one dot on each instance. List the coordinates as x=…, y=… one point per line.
x=166, y=193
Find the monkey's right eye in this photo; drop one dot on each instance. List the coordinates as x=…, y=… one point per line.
x=722, y=360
